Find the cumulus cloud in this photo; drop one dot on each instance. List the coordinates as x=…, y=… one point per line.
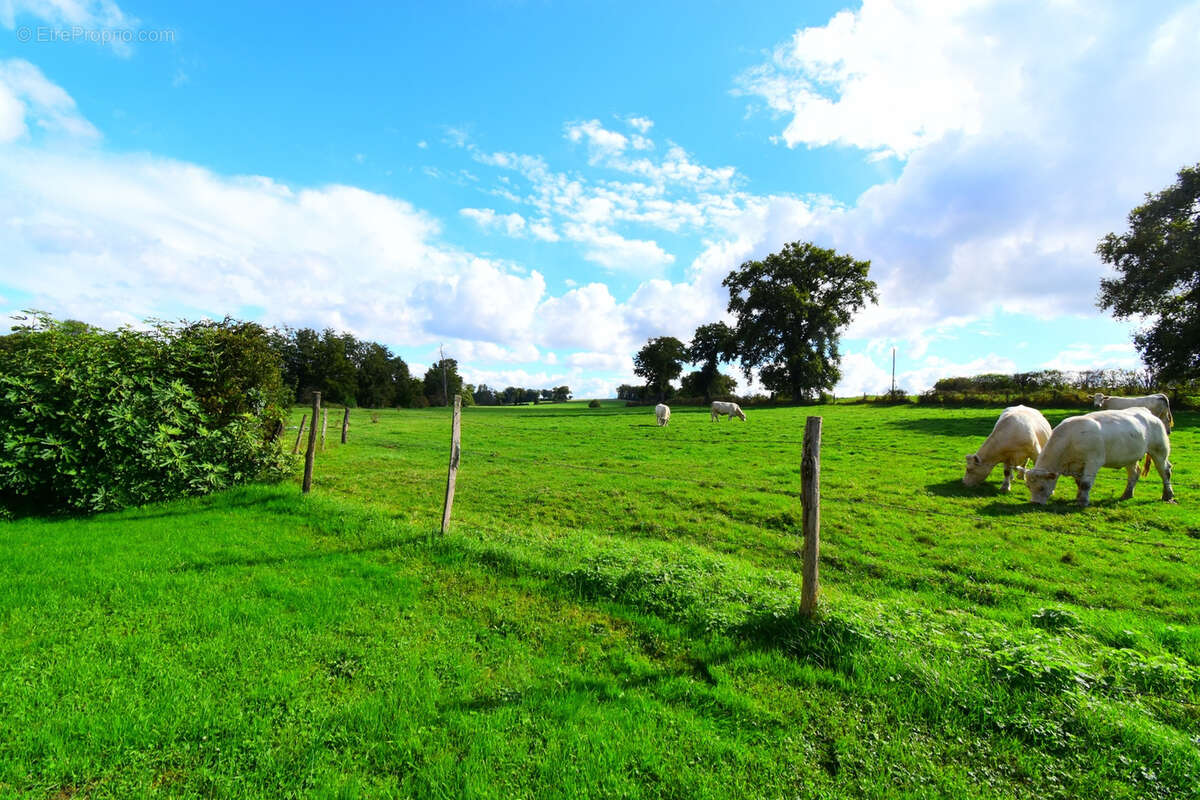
x=1029, y=131
x=27, y=96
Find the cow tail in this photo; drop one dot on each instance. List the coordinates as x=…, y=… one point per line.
x=1146, y=466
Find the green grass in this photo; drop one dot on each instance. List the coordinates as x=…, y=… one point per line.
x=614, y=614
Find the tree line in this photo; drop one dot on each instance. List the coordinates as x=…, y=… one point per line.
x=354, y=372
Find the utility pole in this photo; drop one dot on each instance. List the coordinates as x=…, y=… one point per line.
x=445, y=391
x=893, y=370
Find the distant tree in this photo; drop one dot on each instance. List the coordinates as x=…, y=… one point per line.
x=660, y=361
x=694, y=383
x=790, y=309
x=512, y=395
x=561, y=394
x=432, y=386
x=529, y=395
x=468, y=395
x=378, y=378
x=1158, y=266
x=485, y=395
x=627, y=392
x=710, y=345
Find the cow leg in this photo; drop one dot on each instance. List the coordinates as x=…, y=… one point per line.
x=1164, y=471
x=1131, y=480
x=1083, y=496
x=1008, y=475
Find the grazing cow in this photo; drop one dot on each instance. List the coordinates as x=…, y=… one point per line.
x=729, y=409
x=1018, y=436
x=1080, y=446
x=663, y=413
x=1158, y=404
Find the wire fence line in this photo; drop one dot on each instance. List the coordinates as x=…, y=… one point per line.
x=831, y=493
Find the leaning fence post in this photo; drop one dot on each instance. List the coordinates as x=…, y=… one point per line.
x=810, y=499
x=345, y=424
x=324, y=427
x=299, y=433
x=454, y=453
x=312, y=443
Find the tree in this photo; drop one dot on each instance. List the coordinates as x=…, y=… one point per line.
x=485, y=396
x=710, y=345
x=790, y=309
x=1158, y=266
x=660, y=361
x=561, y=394
x=695, y=384
x=432, y=387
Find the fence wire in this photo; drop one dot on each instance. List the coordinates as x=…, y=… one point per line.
x=828, y=492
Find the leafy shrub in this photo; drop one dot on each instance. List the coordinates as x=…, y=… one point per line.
x=94, y=420
x=593, y=404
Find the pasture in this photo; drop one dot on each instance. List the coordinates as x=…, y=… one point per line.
x=613, y=614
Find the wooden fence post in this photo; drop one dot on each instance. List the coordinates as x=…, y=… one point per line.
x=324, y=428
x=299, y=433
x=312, y=442
x=345, y=424
x=454, y=453
x=810, y=499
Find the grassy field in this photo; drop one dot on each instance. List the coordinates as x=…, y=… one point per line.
x=613, y=615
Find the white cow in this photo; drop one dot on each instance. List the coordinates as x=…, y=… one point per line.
x=728, y=409
x=1018, y=436
x=1158, y=404
x=663, y=413
x=1080, y=446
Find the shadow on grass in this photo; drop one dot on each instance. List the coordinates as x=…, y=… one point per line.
x=973, y=427
x=956, y=488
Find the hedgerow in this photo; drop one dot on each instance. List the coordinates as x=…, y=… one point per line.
x=93, y=420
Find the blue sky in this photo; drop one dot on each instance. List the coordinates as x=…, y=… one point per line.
x=543, y=186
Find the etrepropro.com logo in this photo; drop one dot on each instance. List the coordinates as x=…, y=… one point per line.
x=41, y=34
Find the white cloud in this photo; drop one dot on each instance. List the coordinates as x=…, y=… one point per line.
x=641, y=124
x=481, y=302
x=1086, y=356
x=615, y=252
x=489, y=219
x=602, y=144
x=27, y=95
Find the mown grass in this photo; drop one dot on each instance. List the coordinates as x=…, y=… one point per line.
x=614, y=614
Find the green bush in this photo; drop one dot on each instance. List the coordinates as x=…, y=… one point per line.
x=593, y=404
x=94, y=420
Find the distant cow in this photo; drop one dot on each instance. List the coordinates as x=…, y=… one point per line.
x=1018, y=436
x=1080, y=446
x=663, y=413
x=730, y=410
x=1158, y=404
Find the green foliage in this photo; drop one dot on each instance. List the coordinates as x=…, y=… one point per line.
x=711, y=344
x=93, y=420
x=709, y=387
x=441, y=381
x=1051, y=387
x=790, y=309
x=1158, y=266
x=593, y=404
x=660, y=361
x=344, y=369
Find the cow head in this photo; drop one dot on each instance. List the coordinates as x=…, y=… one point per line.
x=977, y=471
x=1098, y=400
x=740, y=415
x=1041, y=483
